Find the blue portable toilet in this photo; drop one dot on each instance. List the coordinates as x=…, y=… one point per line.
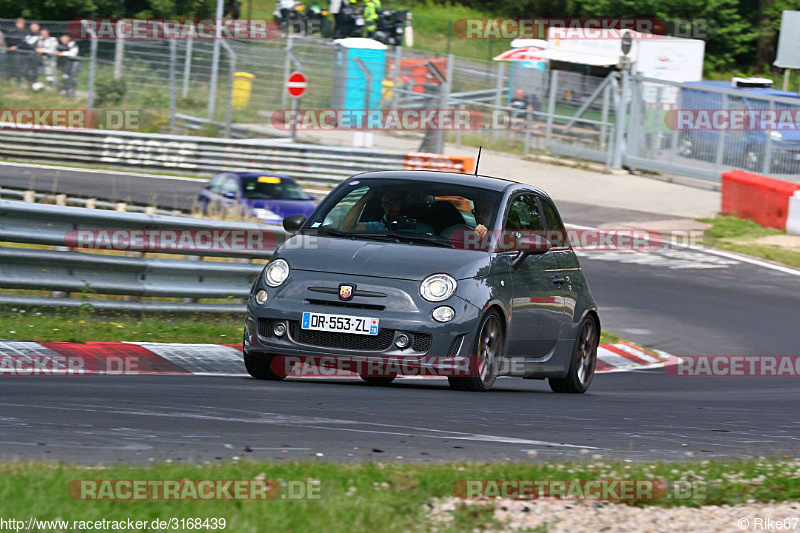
x=350, y=89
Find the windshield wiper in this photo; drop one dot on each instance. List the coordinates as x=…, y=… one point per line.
x=422, y=237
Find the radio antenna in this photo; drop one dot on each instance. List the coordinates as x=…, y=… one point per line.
x=478, y=162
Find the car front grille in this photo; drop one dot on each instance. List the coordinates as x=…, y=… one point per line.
x=422, y=342
x=345, y=341
x=456, y=345
x=265, y=327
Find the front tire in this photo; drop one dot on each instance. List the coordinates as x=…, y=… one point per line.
x=583, y=363
x=489, y=354
x=260, y=366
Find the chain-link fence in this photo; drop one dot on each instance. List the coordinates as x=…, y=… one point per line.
x=617, y=119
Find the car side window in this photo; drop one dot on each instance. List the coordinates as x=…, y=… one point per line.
x=229, y=185
x=523, y=215
x=214, y=183
x=556, y=233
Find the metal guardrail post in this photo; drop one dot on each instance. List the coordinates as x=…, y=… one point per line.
x=621, y=116
x=461, y=107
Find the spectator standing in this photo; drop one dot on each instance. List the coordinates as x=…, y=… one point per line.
x=15, y=57
x=335, y=8
x=2, y=55
x=31, y=61
x=67, y=57
x=370, y=17
x=46, y=47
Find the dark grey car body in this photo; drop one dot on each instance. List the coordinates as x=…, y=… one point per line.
x=542, y=303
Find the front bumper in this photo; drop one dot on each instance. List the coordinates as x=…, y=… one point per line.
x=401, y=310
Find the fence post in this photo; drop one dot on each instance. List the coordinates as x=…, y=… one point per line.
x=720, y=151
x=498, y=96
x=187, y=66
x=172, y=66
x=119, y=51
x=461, y=107
x=212, y=89
x=398, y=60
x=551, y=107
x=92, y=71
x=286, y=68
x=232, y=75
x=604, y=116
x=619, y=140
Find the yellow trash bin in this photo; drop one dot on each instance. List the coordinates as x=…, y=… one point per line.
x=242, y=85
x=388, y=89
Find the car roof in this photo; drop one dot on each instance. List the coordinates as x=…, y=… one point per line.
x=767, y=91
x=451, y=178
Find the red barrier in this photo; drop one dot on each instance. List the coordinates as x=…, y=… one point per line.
x=757, y=198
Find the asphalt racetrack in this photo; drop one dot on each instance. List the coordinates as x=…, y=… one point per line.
x=682, y=301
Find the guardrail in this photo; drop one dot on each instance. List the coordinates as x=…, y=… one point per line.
x=311, y=164
x=68, y=271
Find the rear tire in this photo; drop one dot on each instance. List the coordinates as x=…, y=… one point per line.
x=259, y=366
x=489, y=352
x=379, y=381
x=583, y=363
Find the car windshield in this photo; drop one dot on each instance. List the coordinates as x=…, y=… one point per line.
x=272, y=188
x=412, y=210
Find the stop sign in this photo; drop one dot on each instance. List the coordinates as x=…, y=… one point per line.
x=296, y=84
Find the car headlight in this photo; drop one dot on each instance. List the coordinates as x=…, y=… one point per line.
x=438, y=287
x=776, y=136
x=276, y=273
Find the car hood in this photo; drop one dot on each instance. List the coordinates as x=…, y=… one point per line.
x=283, y=208
x=361, y=257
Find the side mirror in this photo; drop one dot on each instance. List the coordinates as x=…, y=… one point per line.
x=292, y=223
x=231, y=195
x=529, y=244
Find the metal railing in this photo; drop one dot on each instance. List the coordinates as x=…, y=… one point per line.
x=311, y=164
x=135, y=274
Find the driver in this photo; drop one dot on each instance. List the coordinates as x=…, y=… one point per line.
x=394, y=207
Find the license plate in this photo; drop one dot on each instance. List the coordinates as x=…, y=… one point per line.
x=340, y=323
x=797, y=157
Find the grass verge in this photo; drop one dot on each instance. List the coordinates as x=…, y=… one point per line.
x=371, y=496
x=82, y=325
x=747, y=237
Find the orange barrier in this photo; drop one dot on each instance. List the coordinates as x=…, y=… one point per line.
x=414, y=71
x=757, y=198
x=422, y=161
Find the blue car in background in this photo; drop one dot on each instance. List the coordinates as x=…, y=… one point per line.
x=268, y=197
x=742, y=148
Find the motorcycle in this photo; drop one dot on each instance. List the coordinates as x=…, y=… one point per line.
x=391, y=27
x=290, y=16
x=352, y=20
x=317, y=20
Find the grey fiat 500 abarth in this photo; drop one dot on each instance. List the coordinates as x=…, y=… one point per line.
x=426, y=273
